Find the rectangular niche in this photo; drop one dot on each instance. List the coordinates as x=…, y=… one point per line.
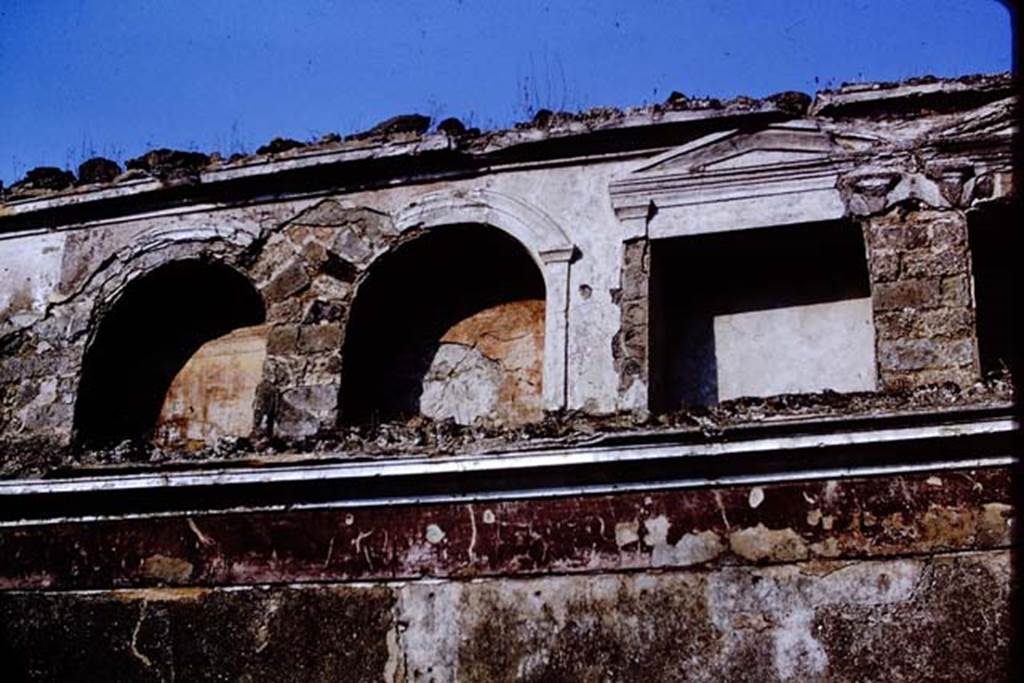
x=994, y=261
x=760, y=312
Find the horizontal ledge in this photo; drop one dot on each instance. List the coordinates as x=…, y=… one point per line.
x=802, y=475
x=970, y=440
x=262, y=166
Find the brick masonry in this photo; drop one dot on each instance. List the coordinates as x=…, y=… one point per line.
x=924, y=314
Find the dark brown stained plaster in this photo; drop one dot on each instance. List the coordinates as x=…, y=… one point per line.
x=746, y=624
x=803, y=621
x=818, y=520
x=322, y=634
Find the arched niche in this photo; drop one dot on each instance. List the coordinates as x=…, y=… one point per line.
x=447, y=325
x=176, y=351
x=542, y=238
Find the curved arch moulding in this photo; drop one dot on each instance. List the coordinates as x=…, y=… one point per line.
x=547, y=243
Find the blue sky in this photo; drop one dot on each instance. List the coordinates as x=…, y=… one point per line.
x=83, y=77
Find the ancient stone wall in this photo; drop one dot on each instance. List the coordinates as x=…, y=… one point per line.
x=836, y=579
x=307, y=270
x=413, y=427
x=907, y=174
x=924, y=309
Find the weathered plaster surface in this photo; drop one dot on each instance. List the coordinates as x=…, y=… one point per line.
x=212, y=396
x=489, y=366
x=29, y=271
x=817, y=520
x=907, y=179
x=267, y=634
x=803, y=621
x=827, y=579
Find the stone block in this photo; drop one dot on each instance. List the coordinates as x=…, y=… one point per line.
x=290, y=281
x=315, y=254
x=320, y=310
x=958, y=351
x=326, y=213
x=307, y=410
x=896, y=324
x=932, y=323
x=906, y=294
x=909, y=354
x=317, y=338
x=282, y=340
x=901, y=237
x=884, y=266
x=946, y=322
x=634, y=314
x=956, y=291
x=948, y=232
x=287, y=311
x=923, y=263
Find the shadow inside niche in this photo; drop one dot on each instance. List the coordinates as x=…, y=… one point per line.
x=411, y=299
x=147, y=336
x=700, y=280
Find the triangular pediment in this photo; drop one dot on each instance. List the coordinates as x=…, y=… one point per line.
x=777, y=174
x=771, y=146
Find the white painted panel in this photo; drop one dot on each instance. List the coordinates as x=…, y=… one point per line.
x=796, y=349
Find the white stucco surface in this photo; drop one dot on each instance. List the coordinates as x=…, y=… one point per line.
x=29, y=272
x=796, y=349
